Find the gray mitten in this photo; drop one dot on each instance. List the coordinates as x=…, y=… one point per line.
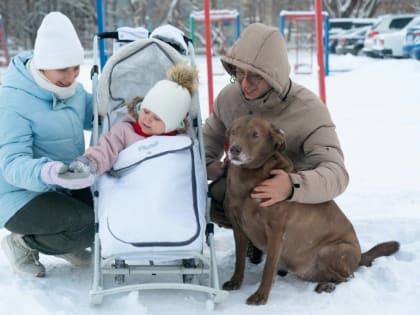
x=83, y=165
x=56, y=173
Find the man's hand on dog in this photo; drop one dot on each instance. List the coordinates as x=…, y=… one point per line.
x=274, y=189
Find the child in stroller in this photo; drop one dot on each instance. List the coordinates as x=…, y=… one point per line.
x=162, y=111
x=151, y=209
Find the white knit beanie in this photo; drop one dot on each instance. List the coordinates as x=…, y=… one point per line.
x=57, y=45
x=169, y=101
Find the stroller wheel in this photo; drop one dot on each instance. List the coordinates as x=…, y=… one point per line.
x=119, y=279
x=119, y=264
x=189, y=264
x=188, y=278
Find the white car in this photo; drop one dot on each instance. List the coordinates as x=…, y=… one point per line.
x=386, y=24
x=391, y=44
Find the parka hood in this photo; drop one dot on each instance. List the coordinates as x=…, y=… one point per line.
x=18, y=77
x=261, y=49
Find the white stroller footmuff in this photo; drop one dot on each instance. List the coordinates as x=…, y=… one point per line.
x=158, y=201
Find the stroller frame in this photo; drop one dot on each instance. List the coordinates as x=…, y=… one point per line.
x=189, y=269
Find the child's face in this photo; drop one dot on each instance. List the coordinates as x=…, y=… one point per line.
x=150, y=123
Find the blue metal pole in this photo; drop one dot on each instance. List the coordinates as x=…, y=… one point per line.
x=238, y=26
x=101, y=28
x=281, y=23
x=326, y=44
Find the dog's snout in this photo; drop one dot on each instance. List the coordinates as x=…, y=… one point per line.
x=235, y=149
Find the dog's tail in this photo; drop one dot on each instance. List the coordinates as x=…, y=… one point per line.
x=382, y=249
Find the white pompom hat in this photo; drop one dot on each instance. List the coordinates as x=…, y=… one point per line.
x=57, y=45
x=170, y=99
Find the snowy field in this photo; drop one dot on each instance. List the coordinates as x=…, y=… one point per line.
x=376, y=107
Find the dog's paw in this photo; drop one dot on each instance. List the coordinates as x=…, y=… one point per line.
x=232, y=285
x=325, y=287
x=257, y=299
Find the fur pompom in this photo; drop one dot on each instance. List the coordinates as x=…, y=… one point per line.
x=185, y=75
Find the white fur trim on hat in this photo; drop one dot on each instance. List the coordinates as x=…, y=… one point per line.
x=57, y=45
x=169, y=101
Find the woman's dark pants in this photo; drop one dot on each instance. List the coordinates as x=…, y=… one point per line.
x=56, y=223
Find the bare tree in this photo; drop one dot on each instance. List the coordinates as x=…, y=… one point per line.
x=22, y=17
x=354, y=8
x=170, y=14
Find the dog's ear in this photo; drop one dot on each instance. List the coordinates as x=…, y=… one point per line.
x=278, y=137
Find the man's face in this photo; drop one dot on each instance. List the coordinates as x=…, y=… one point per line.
x=252, y=85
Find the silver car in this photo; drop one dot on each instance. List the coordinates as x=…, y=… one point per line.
x=352, y=41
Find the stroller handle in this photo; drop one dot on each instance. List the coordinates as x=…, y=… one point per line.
x=108, y=35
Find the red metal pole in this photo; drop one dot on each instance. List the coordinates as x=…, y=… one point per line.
x=208, y=53
x=320, y=49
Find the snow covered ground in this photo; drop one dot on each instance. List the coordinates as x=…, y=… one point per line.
x=376, y=107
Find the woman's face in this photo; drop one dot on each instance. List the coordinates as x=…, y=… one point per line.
x=150, y=123
x=252, y=85
x=62, y=77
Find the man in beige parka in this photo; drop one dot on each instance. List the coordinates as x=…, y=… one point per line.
x=258, y=64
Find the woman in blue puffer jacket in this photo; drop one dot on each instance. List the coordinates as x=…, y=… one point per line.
x=43, y=114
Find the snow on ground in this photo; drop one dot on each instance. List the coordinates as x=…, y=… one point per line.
x=375, y=105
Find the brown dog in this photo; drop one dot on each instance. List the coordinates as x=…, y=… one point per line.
x=315, y=241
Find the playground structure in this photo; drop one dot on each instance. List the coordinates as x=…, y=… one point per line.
x=222, y=31
x=4, y=61
x=321, y=41
x=320, y=18
x=206, y=17
x=298, y=28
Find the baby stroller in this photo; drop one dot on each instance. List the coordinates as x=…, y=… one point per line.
x=156, y=228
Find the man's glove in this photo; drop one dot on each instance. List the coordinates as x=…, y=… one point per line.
x=83, y=165
x=56, y=173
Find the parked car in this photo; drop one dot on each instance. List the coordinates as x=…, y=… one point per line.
x=386, y=24
x=340, y=26
x=411, y=47
x=391, y=44
x=352, y=41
